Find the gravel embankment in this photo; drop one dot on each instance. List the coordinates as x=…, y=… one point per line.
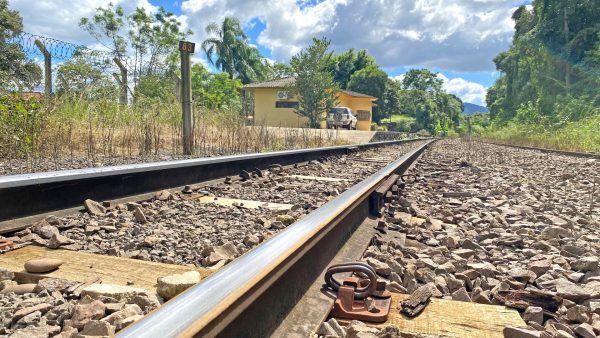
x=498, y=225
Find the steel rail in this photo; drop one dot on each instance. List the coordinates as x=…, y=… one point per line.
x=548, y=150
x=218, y=302
x=32, y=194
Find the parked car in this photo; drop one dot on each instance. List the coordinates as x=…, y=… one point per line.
x=341, y=117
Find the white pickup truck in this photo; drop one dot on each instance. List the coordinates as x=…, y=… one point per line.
x=341, y=117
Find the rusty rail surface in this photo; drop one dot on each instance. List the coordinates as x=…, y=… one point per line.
x=33, y=194
x=251, y=295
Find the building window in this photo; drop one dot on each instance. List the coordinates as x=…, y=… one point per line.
x=286, y=104
x=363, y=115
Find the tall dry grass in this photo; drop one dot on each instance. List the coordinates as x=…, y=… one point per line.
x=69, y=128
x=582, y=135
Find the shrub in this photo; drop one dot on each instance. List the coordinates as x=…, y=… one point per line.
x=20, y=122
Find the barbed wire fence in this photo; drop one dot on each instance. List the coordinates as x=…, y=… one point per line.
x=51, y=49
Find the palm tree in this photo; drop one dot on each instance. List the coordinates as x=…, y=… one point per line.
x=228, y=50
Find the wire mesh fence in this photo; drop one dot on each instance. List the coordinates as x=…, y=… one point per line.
x=58, y=49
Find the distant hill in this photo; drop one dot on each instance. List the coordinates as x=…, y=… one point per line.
x=471, y=109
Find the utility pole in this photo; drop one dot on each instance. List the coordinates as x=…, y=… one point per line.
x=567, y=33
x=47, y=68
x=186, y=49
x=122, y=81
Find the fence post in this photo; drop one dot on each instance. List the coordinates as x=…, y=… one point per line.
x=186, y=49
x=177, y=87
x=244, y=110
x=47, y=67
x=122, y=81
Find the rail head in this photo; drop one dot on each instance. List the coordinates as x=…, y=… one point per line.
x=194, y=310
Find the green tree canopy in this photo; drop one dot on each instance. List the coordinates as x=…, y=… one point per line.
x=343, y=66
x=16, y=72
x=422, y=79
x=215, y=91
x=450, y=108
x=424, y=98
x=552, y=65
x=148, y=40
x=315, y=87
x=154, y=40
x=390, y=103
x=370, y=80
x=107, y=26
x=80, y=78
x=277, y=71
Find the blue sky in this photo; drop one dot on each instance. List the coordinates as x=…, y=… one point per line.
x=457, y=38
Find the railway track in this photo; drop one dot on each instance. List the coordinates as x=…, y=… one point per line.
x=505, y=246
x=314, y=187
x=34, y=194
x=253, y=295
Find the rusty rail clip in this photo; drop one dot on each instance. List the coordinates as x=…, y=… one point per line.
x=359, y=298
x=6, y=243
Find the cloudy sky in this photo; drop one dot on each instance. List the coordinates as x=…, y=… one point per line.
x=457, y=38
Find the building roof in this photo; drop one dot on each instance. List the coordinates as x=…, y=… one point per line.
x=276, y=83
x=356, y=94
x=286, y=81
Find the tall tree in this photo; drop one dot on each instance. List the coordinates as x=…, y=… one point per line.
x=150, y=38
x=422, y=97
x=315, y=87
x=106, y=26
x=16, y=72
x=228, y=50
x=277, y=71
x=342, y=66
x=550, y=64
x=154, y=38
x=450, y=107
x=422, y=79
x=390, y=103
x=77, y=77
x=370, y=80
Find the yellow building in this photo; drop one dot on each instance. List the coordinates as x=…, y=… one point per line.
x=268, y=103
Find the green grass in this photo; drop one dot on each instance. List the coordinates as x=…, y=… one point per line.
x=583, y=135
x=399, y=118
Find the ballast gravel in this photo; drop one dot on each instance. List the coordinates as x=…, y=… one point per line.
x=498, y=225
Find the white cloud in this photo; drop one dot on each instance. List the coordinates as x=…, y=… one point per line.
x=468, y=91
x=459, y=35
x=456, y=35
x=59, y=19
x=201, y=60
x=398, y=78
